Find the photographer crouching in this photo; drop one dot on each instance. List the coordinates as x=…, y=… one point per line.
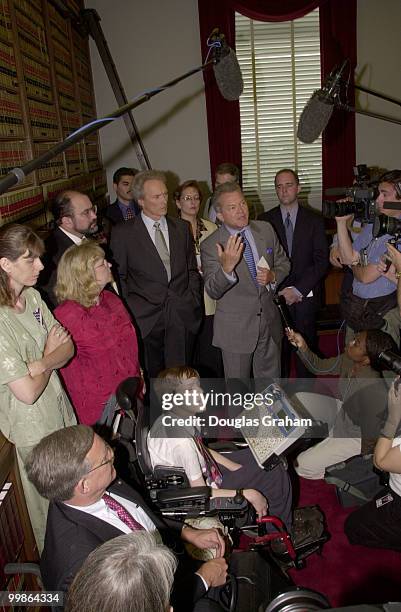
x=373, y=291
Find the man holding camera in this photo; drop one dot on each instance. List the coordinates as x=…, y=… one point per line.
x=373, y=291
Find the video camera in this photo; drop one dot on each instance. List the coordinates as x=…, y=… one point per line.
x=391, y=360
x=383, y=224
x=361, y=198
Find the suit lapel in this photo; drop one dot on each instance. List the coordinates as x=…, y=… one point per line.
x=146, y=245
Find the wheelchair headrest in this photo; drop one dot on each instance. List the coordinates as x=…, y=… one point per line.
x=126, y=393
x=141, y=440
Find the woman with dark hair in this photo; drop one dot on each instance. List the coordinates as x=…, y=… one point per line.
x=106, y=348
x=33, y=345
x=361, y=404
x=188, y=198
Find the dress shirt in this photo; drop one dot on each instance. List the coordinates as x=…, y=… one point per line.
x=73, y=237
x=149, y=224
x=374, y=249
x=124, y=208
x=104, y=513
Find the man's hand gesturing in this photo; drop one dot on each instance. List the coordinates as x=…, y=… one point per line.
x=231, y=254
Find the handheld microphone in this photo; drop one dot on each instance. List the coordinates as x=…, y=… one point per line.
x=319, y=108
x=286, y=319
x=226, y=68
x=391, y=360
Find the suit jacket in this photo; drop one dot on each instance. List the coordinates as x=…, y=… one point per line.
x=114, y=214
x=310, y=252
x=55, y=246
x=71, y=535
x=241, y=303
x=144, y=280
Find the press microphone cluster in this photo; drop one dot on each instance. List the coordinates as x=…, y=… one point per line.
x=319, y=108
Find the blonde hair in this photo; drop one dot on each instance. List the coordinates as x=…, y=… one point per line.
x=75, y=274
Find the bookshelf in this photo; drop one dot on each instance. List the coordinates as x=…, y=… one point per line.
x=46, y=92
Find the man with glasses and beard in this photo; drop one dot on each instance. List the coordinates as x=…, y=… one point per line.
x=75, y=218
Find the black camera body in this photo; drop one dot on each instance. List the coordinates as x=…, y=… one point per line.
x=361, y=198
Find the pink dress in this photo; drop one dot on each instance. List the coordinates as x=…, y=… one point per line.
x=106, y=352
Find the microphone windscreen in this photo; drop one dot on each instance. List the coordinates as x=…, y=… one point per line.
x=228, y=76
x=314, y=118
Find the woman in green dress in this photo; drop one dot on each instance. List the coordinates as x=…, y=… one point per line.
x=33, y=345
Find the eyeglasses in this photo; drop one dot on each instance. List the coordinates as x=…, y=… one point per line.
x=106, y=461
x=189, y=198
x=88, y=211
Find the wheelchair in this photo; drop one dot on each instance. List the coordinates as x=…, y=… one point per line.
x=170, y=493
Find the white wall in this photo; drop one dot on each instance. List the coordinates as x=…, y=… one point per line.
x=378, y=143
x=151, y=43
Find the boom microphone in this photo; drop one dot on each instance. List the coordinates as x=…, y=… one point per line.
x=226, y=68
x=318, y=110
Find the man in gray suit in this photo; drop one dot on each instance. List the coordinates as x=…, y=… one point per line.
x=242, y=262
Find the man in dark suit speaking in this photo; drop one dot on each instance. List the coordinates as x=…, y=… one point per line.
x=241, y=263
x=302, y=235
x=73, y=468
x=156, y=262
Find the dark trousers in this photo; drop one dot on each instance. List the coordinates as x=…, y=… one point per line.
x=376, y=527
x=303, y=316
x=167, y=346
x=207, y=358
x=275, y=485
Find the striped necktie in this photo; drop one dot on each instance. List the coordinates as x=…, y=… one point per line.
x=289, y=232
x=213, y=473
x=123, y=514
x=248, y=256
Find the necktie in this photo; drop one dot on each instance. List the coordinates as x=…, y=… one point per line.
x=122, y=513
x=248, y=256
x=130, y=213
x=213, y=473
x=162, y=249
x=289, y=232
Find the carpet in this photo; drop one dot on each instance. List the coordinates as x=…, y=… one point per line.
x=346, y=574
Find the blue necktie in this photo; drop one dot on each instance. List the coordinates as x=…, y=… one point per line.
x=248, y=256
x=289, y=233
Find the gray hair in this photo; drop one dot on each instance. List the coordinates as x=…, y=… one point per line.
x=141, y=178
x=58, y=462
x=130, y=573
x=224, y=188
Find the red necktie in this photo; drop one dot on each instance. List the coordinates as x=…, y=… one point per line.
x=122, y=513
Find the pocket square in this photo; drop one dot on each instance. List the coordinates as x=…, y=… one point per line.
x=269, y=251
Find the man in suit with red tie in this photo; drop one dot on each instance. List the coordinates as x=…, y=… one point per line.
x=156, y=261
x=302, y=235
x=73, y=468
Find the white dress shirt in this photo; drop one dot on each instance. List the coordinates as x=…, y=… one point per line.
x=149, y=224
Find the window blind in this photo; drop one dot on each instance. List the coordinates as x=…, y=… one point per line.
x=280, y=64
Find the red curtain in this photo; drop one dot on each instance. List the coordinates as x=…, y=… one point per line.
x=338, y=41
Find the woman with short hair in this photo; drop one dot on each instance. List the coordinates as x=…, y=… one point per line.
x=33, y=345
x=106, y=349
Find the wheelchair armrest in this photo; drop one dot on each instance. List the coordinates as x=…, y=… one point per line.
x=195, y=494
